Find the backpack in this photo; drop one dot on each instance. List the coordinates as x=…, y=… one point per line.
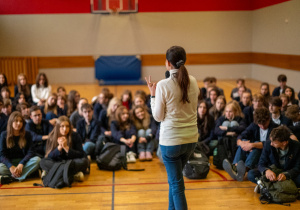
x=226, y=149
x=113, y=157
x=279, y=192
x=197, y=166
x=101, y=141
x=60, y=175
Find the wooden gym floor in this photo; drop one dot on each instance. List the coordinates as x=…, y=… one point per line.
x=148, y=189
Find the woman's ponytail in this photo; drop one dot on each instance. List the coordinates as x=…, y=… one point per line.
x=176, y=56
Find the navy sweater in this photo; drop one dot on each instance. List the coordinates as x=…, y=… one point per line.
x=7, y=154
x=93, y=132
x=36, y=133
x=117, y=133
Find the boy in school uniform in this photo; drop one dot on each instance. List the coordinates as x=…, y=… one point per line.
x=282, y=79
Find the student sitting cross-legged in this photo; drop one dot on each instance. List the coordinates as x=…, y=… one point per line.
x=281, y=152
x=39, y=129
x=64, y=144
x=16, y=153
x=89, y=130
x=250, y=144
x=123, y=132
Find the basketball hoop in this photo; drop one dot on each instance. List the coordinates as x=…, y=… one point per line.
x=114, y=11
x=114, y=7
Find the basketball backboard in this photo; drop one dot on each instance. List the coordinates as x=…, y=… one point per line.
x=114, y=6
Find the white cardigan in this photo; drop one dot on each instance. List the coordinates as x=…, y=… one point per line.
x=40, y=93
x=178, y=120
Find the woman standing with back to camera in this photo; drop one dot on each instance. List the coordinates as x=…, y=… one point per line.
x=174, y=104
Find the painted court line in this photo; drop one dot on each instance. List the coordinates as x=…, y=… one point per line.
x=113, y=192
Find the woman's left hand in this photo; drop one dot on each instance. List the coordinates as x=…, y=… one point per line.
x=223, y=128
x=151, y=86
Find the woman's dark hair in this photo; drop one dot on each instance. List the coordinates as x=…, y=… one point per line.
x=17, y=97
x=177, y=57
x=37, y=80
x=268, y=87
x=5, y=80
x=203, y=123
x=292, y=98
x=72, y=105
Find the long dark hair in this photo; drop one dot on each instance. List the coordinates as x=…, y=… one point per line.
x=177, y=57
x=37, y=80
x=10, y=131
x=203, y=123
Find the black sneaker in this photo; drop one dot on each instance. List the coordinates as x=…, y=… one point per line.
x=241, y=170
x=5, y=179
x=230, y=169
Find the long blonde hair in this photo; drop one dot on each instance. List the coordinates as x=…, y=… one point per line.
x=235, y=108
x=141, y=124
x=51, y=108
x=55, y=134
x=112, y=102
x=10, y=131
x=25, y=89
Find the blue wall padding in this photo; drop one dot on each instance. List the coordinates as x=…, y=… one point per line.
x=118, y=70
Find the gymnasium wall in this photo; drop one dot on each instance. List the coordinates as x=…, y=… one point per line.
x=276, y=29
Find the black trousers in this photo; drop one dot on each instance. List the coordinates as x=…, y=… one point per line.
x=81, y=164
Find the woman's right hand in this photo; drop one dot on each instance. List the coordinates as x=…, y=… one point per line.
x=151, y=86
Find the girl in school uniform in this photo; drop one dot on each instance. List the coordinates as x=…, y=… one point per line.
x=64, y=144
x=41, y=90
x=291, y=94
x=73, y=100
x=17, y=157
x=50, y=109
x=146, y=129
x=123, y=132
x=23, y=87
x=126, y=99
x=217, y=110
x=3, y=81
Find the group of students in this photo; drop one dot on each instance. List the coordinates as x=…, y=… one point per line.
x=46, y=127
x=265, y=128
x=39, y=128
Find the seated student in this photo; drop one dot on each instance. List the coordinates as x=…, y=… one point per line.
x=77, y=115
x=285, y=101
x=206, y=125
x=41, y=90
x=64, y=144
x=51, y=109
x=19, y=98
x=282, y=84
x=291, y=94
x=102, y=102
x=232, y=122
x=265, y=92
x=245, y=100
x=89, y=129
x=281, y=152
x=62, y=91
x=5, y=94
x=239, y=82
x=23, y=108
x=217, y=110
x=3, y=81
x=214, y=83
x=39, y=129
x=256, y=103
x=203, y=90
x=145, y=96
x=213, y=94
x=73, y=99
x=240, y=92
x=107, y=116
x=7, y=107
x=292, y=113
x=126, y=99
x=3, y=118
x=62, y=107
x=146, y=130
x=16, y=153
x=250, y=144
x=23, y=87
x=275, y=105
x=123, y=132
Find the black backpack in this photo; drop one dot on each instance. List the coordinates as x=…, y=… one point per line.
x=226, y=149
x=60, y=175
x=113, y=157
x=197, y=166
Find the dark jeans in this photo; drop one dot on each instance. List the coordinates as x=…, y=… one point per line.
x=175, y=158
x=81, y=164
x=250, y=158
x=255, y=173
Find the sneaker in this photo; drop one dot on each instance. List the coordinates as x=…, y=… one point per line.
x=131, y=157
x=79, y=177
x=142, y=156
x=148, y=156
x=5, y=179
x=241, y=170
x=230, y=169
x=257, y=189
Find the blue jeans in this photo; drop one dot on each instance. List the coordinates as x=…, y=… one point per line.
x=89, y=148
x=31, y=166
x=250, y=158
x=175, y=158
x=145, y=147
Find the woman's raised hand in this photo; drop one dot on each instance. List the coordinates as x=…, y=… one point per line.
x=151, y=86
